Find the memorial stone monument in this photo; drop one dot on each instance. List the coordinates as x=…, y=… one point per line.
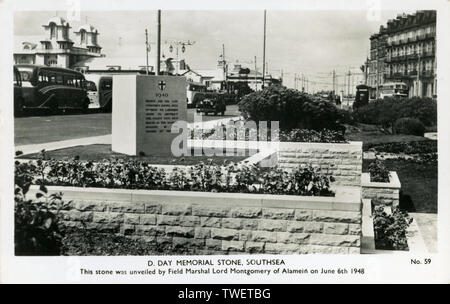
x=144, y=109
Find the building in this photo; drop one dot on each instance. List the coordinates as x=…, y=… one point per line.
x=377, y=61
x=55, y=47
x=405, y=51
x=237, y=79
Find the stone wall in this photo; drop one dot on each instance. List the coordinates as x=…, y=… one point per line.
x=221, y=223
x=381, y=193
x=343, y=161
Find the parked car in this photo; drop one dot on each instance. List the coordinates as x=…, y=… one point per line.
x=212, y=103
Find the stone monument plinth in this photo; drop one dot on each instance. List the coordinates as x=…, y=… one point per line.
x=144, y=109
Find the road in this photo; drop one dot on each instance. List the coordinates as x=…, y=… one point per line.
x=41, y=129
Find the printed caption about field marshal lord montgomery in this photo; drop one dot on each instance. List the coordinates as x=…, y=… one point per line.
x=227, y=266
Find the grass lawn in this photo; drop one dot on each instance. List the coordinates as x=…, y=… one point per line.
x=100, y=152
x=372, y=135
x=419, y=184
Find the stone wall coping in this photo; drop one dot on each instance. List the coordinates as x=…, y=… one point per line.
x=242, y=144
x=348, y=146
x=368, y=233
x=346, y=199
x=394, y=181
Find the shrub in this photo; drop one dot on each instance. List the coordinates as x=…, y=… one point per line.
x=293, y=109
x=378, y=172
x=386, y=111
x=409, y=126
x=390, y=229
x=408, y=147
x=36, y=223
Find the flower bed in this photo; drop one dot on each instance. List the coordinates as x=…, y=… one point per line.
x=390, y=229
x=295, y=135
x=385, y=193
x=238, y=178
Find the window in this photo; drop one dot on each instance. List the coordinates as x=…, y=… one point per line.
x=51, y=78
x=90, y=86
x=83, y=36
x=69, y=80
x=43, y=78
x=106, y=84
x=59, y=79
x=52, y=30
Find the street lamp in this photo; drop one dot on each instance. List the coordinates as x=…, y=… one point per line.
x=177, y=45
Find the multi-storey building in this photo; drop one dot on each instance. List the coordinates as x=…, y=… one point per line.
x=377, y=64
x=55, y=47
x=405, y=51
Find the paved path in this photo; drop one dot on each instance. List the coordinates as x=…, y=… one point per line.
x=427, y=223
x=103, y=139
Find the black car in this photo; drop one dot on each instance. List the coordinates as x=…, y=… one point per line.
x=212, y=103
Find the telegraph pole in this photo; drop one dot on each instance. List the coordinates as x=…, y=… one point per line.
x=255, y=74
x=295, y=81
x=225, y=69
x=146, y=52
x=158, y=45
x=264, y=52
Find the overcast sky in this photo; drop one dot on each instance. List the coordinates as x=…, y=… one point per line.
x=309, y=42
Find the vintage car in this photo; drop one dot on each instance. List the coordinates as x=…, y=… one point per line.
x=212, y=103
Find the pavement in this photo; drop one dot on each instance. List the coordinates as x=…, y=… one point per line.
x=427, y=224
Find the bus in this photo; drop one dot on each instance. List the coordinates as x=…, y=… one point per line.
x=99, y=90
x=194, y=93
x=18, y=98
x=51, y=88
x=393, y=89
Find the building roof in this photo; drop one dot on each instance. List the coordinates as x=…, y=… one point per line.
x=125, y=63
x=88, y=28
x=21, y=41
x=58, y=21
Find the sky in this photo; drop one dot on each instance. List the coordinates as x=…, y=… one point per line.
x=312, y=43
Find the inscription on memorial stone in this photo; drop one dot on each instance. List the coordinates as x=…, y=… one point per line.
x=160, y=115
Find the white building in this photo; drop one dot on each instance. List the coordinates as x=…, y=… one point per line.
x=55, y=47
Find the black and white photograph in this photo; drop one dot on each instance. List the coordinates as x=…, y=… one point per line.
x=201, y=133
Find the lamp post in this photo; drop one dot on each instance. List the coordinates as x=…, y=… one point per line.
x=177, y=45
